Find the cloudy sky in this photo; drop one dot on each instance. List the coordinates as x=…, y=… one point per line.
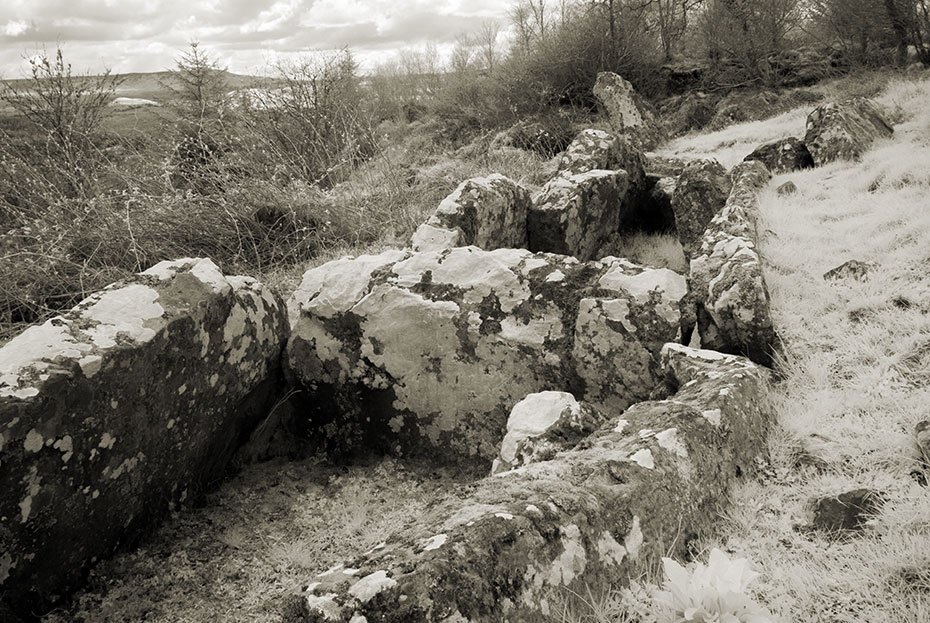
x=246, y=35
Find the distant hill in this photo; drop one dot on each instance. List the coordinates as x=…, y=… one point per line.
x=156, y=85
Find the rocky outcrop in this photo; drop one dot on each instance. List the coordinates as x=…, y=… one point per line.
x=844, y=130
x=122, y=408
x=488, y=212
x=429, y=352
x=783, y=156
x=700, y=193
x=628, y=112
x=643, y=486
x=543, y=424
x=733, y=311
x=576, y=215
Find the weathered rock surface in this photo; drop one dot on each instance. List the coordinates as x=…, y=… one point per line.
x=640, y=208
x=121, y=408
x=488, y=212
x=733, y=311
x=844, y=130
x=644, y=485
x=597, y=149
x=628, y=112
x=543, y=424
x=700, y=193
x=576, y=215
x=783, y=156
x=429, y=352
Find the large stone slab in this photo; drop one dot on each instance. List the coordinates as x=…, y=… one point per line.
x=784, y=156
x=701, y=192
x=429, y=352
x=488, y=212
x=118, y=410
x=646, y=484
x=628, y=112
x=577, y=215
x=844, y=130
x=733, y=310
x=599, y=149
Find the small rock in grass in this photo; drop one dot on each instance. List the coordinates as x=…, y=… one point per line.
x=845, y=512
x=788, y=188
x=853, y=269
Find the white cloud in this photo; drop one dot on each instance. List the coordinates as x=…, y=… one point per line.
x=15, y=28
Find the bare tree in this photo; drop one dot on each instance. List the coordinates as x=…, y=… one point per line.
x=487, y=43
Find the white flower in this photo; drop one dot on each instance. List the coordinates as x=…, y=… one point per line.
x=712, y=593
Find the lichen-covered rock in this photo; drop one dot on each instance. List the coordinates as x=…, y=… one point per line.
x=701, y=192
x=429, y=352
x=646, y=484
x=783, y=156
x=488, y=212
x=576, y=215
x=640, y=208
x=543, y=424
x=788, y=188
x=733, y=311
x=597, y=149
x=844, y=130
x=628, y=112
x=121, y=408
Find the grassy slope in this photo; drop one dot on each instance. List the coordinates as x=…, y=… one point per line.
x=856, y=367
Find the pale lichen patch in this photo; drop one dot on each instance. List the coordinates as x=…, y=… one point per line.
x=609, y=550
x=571, y=563
x=34, y=441
x=370, y=585
x=634, y=540
x=643, y=458
x=65, y=445
x=712, y=415
x=435, y=542
x=668, y=440
x=106, y=441
x=324, y=605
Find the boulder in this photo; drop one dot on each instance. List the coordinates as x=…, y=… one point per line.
x=700, y=193
x=488, y=212
x=543, y=424
x=740, y=106
x=783, y=156
x=576, y=215
x=646, y=484
x=846, y=512
x=663, y=166
x=683, y=113
x=122, y=408
x=640, y=208
x=429, y=352
x=628, y=112
x=598, y=149
x=732, y=301
x=788, y=188
x=844, y=130
x=852, y=269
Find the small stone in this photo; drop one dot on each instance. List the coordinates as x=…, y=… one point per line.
x=782, y=156
x=845, y=512
x=853, y=269
x=788, y=188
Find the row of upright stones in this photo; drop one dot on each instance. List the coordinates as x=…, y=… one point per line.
x=507, y=340
x=557, y=367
